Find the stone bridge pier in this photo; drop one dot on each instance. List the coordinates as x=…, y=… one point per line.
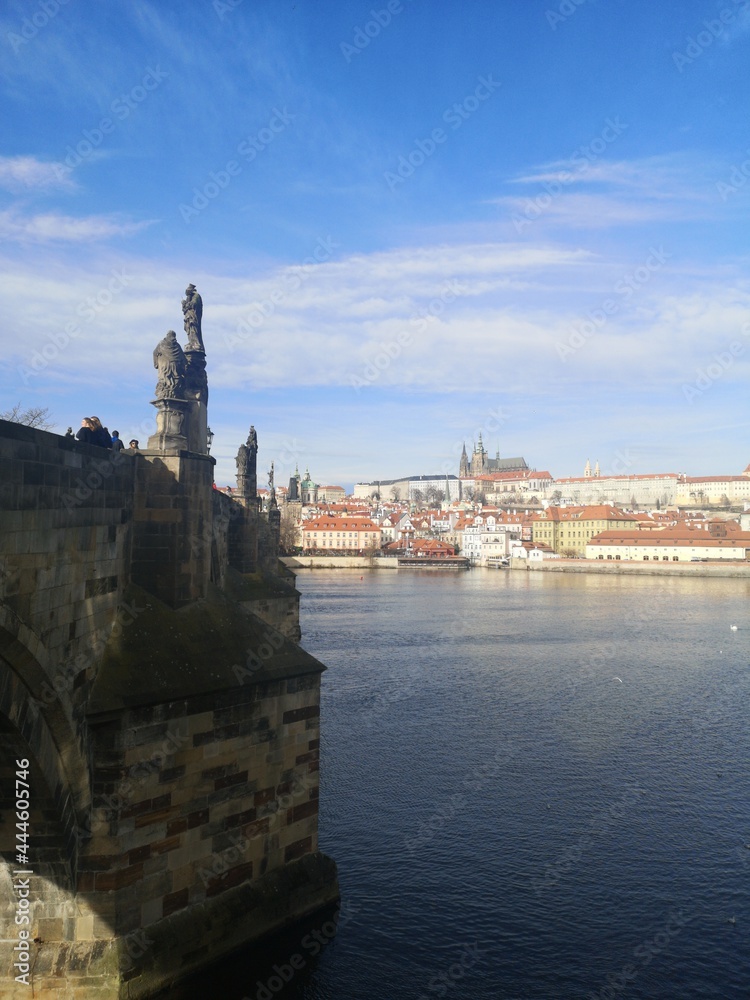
x=159, y=724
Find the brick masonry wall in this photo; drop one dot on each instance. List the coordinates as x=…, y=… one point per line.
x=192, y=798
x=65, y=513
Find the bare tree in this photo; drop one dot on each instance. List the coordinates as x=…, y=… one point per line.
x=34, y=416
x=395, y=493
x=289, y=537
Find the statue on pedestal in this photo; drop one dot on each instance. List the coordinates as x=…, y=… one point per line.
x=171, y=363
x=247, y=476
x=192, y=310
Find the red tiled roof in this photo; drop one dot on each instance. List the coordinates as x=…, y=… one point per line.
x=619, y=479
x=672, y=537
x=716, y=479
x=341, y=524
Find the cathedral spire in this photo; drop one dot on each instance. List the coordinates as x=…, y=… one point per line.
x=463, y=465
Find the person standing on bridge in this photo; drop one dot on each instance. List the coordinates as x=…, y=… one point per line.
x=85, y=433
x=101, y=434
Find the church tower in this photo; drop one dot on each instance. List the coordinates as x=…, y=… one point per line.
x=479, y=458
x=463, y=468
x=587, y=470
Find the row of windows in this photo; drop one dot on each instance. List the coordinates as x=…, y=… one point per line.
x=340, y=543
x=646, y=558
x=347, y=534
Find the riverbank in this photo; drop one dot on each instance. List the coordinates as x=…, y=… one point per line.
x=339, y=562
x=738, y=570
x=718, y=570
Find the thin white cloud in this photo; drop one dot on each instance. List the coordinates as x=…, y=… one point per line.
x=659, y=177
x=598, y=193
x=24, y=174
x=596, y=211
x=55, y=228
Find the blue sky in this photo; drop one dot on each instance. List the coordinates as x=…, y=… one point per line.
x=409, y=223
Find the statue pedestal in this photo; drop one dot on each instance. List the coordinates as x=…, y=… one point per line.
x=172, y=422
x=196, y=390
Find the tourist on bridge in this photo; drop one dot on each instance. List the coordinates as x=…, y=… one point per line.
x=86, y=431
x=101, y=434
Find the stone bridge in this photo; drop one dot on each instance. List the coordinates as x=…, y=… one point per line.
x=159, y=724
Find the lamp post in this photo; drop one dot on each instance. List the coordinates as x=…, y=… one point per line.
x=209, y=439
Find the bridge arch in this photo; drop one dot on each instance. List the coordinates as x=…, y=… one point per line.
x=38, y=727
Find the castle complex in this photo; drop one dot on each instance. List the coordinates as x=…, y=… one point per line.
x=481, y=464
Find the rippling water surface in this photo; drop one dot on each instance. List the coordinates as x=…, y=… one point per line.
x=511, y=820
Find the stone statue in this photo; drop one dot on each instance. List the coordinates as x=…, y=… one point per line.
x=247, y=474
x=272, y=505
x=171, y=363
x=192, y=310
x=252, y=441
x=241, y=461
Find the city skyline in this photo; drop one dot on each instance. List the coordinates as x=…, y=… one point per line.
x=407, y=229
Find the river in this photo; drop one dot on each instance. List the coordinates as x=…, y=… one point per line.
x=536, y=787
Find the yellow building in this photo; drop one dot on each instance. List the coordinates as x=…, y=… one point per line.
x=568, y=530
x=340, y=534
